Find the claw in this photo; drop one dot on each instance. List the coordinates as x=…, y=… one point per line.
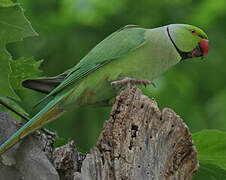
x=130, y=81
x=48, y=132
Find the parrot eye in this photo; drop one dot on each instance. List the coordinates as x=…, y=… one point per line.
x=193, y=32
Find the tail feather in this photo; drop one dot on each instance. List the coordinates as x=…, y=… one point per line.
x=44, y=85
x=40, y=85
x=47, y=114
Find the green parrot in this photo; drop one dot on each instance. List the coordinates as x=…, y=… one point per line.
x=131, y=55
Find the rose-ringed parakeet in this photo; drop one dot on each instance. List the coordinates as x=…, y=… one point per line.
x=139, y=54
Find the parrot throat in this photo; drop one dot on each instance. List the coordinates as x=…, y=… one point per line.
x=184, y=55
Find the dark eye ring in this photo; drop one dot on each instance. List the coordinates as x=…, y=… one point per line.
x=193, y=31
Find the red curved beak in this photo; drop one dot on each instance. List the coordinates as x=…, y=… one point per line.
x=204, y=45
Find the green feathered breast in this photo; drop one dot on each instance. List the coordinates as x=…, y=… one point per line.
x=135, y=52
x=129, y=52
x=110, y=49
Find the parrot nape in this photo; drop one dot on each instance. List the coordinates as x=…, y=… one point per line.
x=135, y=53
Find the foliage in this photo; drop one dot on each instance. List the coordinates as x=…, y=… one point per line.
x=211, y=148
x=22, y=69
x=13, y=27
x=210, y=172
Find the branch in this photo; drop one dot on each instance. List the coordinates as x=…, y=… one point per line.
x=137, y=142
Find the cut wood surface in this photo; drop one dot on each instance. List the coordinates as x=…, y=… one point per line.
x=138, y=142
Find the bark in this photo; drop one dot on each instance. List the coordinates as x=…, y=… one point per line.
x=138, y=142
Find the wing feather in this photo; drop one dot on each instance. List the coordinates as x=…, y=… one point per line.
x=113, y=47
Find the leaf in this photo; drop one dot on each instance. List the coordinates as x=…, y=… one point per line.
x=211, y=148
x=6, y=3
x=13, y=27
x=60, y=142
x=210, y=172
x=5, y=89
x=22, y=69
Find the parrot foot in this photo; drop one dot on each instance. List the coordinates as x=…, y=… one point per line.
x=49, y=133
x=130, y=81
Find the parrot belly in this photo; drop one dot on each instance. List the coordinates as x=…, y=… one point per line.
x=145, y=63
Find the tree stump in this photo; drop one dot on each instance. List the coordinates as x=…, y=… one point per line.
x=138, y=142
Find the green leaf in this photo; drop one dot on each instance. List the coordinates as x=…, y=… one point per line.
x=6, y=3
x=60, y=142
x=22, y=69
x=210, y=172
x=5, y=89
x=13, y=27
x=211, y=148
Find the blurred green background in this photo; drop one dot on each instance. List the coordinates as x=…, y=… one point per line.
x=68, y=29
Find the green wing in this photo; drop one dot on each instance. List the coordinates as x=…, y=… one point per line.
x=112, y=48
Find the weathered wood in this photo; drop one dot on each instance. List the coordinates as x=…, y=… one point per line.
x=137, y=142
x=26, y=160
x=141, y=142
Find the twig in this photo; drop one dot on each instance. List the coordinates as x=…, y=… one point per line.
x=14, y=110
x=23, y=116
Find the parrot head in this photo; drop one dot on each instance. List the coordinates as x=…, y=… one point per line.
x=190, y=41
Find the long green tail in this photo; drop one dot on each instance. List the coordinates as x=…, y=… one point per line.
x=48, y=113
